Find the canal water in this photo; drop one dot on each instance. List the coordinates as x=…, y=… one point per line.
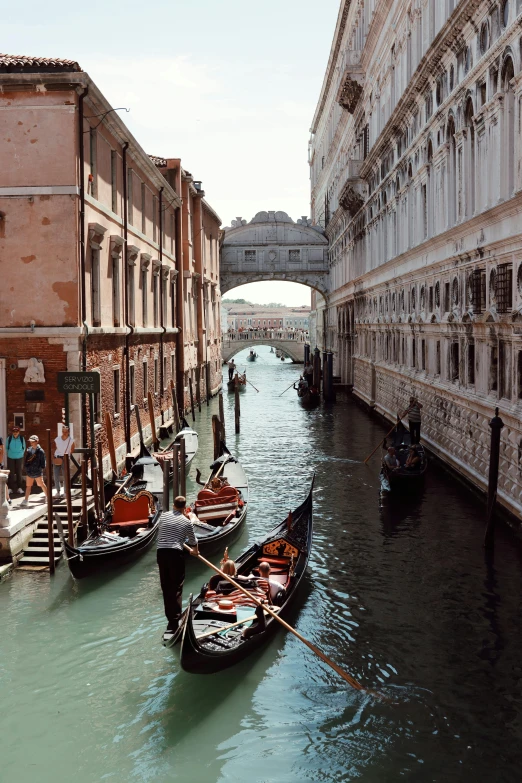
x=401, y=595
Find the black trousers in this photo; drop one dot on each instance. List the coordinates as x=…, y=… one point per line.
x=171, y=564
x=415, y=431
x=15, y=480
x=230, y=373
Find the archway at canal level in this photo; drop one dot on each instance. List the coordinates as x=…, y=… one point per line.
x=274, y=247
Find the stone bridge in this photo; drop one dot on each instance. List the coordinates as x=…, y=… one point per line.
x=292, y=347
x=273, y=247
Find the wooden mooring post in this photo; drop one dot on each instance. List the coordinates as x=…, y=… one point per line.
x=101, y=480
x=216, y=434
x=317, y=369
x=166, y=487
x=175, y=469
x=222, y=417
x=207, y=381
x=68, y=498
x=50, y=526
x=177, y=421
x=198, y=388
x=191, y=391
x=182, y=469
x=85, y=516
x=155, y=442
x=496, y=425
x=237, y=408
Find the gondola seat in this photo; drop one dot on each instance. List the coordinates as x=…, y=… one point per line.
x=216, y=507
x=127, y=512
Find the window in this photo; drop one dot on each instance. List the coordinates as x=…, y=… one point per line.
x=250, y=256
x=114, y=181
x=155, y=299
x=173, y=366
x=156, y=375
x=145, y=378
x=493, y=368
x=95, y=287
x=164, y=372
x=129, y=197
x=504, y=367
x=471, y=364
x=484, y=38
x=504, y=288
x=519, y=375
x=132, y=383
x=144, y=295
x=294, y=255
x=505, y=13
x=164, y=296
x=430, y=299
x=447, y=302
x=92, y=159
x=452, y=78
x=437, y=357
x=478, y=290
x=454, y=361
x=131, y=294
x=423, y=354
x=424, y=213
x=455, y=291
x=116, y=290
x=482, y=93
x=143, y=207
x=173, y=302
x=116, y=380
x=413, y=352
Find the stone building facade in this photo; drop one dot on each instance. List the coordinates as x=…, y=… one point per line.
x=253, y=316
x=416, y=175
x=109, y=259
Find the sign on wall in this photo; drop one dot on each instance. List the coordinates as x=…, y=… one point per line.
x=79, y=382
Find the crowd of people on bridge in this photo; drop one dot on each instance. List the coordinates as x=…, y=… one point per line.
x=260, y=333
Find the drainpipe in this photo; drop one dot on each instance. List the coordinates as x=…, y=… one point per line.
x=164, y=329
x=82, y=255
x=130, y=328
x=180, y=283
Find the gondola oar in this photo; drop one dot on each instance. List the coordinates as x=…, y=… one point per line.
x=246, y=379
x=388, y=433
x=289, y=387
x=349, y=679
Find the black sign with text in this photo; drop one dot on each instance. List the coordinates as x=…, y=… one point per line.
x=79, y=382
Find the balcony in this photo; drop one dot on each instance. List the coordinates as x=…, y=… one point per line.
x=352, y=81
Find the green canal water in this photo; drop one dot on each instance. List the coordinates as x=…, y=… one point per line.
x=399, y=594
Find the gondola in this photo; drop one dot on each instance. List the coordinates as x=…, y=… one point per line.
x=287, y=549
x=241, y=381
x=252, y=356
x=221, y=511
x=309, y=397
x=129, y=526
x=191, y=439
x=402, y=477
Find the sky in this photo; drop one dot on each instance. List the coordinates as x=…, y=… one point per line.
x=230, y=86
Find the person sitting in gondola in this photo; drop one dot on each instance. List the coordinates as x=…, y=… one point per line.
x=274, y=591
x=414, y=459
x=390, y=460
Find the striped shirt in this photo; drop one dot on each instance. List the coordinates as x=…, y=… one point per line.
x=414, y=413
x=174, y=530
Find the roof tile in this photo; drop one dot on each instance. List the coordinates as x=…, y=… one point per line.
x=19, y=63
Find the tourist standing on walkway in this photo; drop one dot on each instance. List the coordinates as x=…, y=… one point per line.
x=15, y=447
x=174, y=531
x=64, y=444
x=34, y=468
x=414, y=419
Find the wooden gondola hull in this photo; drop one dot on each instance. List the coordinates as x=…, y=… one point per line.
x=231, y=385
x=205, y=658
x=83, y=563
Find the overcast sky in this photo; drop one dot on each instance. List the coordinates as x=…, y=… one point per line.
x=230, y=86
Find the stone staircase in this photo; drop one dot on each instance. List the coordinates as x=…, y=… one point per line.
x=36, y=551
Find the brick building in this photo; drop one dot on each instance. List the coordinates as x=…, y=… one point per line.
x=108, y=259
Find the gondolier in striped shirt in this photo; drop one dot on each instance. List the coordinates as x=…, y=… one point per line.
x=414, y=419
x=174, y=531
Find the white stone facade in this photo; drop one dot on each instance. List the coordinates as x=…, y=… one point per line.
x=416, y=176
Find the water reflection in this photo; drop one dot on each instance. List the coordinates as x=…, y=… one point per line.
x=399, y=593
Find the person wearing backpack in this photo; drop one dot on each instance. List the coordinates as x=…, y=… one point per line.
x=15, y=447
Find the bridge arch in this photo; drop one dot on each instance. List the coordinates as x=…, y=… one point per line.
x=292, y=348
x=274, y=247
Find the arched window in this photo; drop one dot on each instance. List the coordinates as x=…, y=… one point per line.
x=452, y=171
x=430, y=201
x=505, y=14
x=508, y=175
x=470, y=160
x=484, y=38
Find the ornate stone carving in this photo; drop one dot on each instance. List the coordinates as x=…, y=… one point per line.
x=34, y=372
x=350, y=199
x=350, y=90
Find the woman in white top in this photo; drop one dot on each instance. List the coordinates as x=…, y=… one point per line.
x=63, y=444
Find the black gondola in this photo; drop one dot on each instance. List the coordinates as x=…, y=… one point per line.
x=241, y=381
x=402, y=476
x=221, y=512
x=130, y=523
x=287, y=548
x=252, y=356
x=309, y=396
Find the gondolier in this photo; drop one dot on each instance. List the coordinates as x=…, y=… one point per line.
x=414, y=419
x=174, y=531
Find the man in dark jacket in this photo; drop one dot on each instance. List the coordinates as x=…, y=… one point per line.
x=34, y=468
